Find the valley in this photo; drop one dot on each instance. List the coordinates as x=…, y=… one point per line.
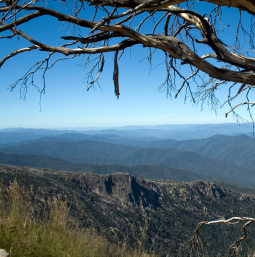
x=140, y=189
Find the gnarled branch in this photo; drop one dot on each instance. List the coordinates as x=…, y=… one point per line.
x=178, y=32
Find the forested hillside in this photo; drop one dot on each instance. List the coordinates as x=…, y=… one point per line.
x=220, y=158
x=154, y=172
x=104, y=179
x=160, y=215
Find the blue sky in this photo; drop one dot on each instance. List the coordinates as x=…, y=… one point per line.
x=67, y=103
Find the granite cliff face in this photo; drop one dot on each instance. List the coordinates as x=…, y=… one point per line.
x=197, y=190
x=164, y=214
x=122, y=188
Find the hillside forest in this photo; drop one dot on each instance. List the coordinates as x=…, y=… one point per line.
x=146, y=186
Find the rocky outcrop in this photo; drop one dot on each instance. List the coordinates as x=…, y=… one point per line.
x=3, y=253
x=163, y=213
x=208, y=189
x=123, y=188
x=197, y=189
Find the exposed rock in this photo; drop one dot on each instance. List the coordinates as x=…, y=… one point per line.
x=124, y=188
x=208, y=189
x=3, y=253
x=163, y=213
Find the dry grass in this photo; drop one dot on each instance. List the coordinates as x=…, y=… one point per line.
x=25, y=231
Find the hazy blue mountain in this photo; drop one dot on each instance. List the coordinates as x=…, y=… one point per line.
x=169, y=131
x=222, y=128
x=96, y=152
x=14, y=137
x=9, y=136
x=180, y=132
x=237, y=149
x=250, y=134
x=34, y=131
x=154, y=172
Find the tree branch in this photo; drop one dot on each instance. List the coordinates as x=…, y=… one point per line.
x=245, y=5
x=244, y=103
x=17, y=52
x=231, y=221
x=180, y=29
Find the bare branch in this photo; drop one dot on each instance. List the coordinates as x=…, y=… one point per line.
x=244, y=103
x=7, y=36
x=214, y=56
x=244, y=5
x=232, y=221
x=131, y=11
x=116, y=75
x=17, y=52
x=185, y=81
x=99, y=72
x=181, y=28
x=142, y=22
x=93, y=38
x=19, y=21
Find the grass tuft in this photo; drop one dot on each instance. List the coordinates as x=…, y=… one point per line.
x=26, y=230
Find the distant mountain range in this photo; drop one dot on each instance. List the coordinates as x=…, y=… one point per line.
x=152, y=172
x=67, y=163
x=219, y=157
x=237, y=149
x=177, y=132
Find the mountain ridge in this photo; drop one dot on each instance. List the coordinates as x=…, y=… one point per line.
x=144, y=171
x=97, y=152
x=167, y=212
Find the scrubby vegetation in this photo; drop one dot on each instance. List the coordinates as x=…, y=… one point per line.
x=64, y=213
x=35, y=227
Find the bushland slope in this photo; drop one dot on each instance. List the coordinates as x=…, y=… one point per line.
x=161, y=215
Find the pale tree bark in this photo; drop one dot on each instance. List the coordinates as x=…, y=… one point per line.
x=234, y=249
x=245, y=5
x=179, y=31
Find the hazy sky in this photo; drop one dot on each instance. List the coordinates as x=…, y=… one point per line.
x=66, y=102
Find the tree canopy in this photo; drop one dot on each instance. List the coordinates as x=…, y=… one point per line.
x=189, y=33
